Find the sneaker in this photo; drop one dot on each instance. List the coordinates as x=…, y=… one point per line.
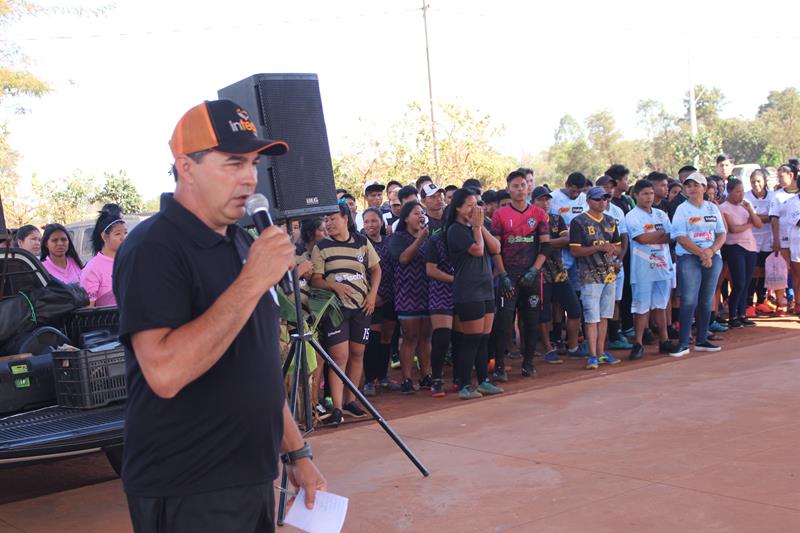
x=352, y=409
x=528, y=370
x=764, y=309
x=706, y=347
x=562, y=348
x=552, y=358
x=369, y=389
x=437, y=389
x=620, y=344
x=395, y=361
x=712, y=337
x=750, y=312
x=716, y=326
x=746, y=322
x=335, y=418
x=636, y=352
x=679, y=351
x=426, y=382
x=514, y=355
x=500, y=375
x=630, y=332
x=407, y=387
x=466, y=393
x=666, y=346
x=487, y=387
x=581, y=351
x=322, y=412
x=390, y=385
x=734, y=323
x=608, y=359
x=592, y=363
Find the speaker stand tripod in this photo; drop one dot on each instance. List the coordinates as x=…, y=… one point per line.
x=297, y=355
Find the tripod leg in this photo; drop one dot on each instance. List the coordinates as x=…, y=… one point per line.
x=294, y=355
x=375, y=414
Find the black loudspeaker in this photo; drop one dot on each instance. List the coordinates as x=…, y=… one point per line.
x=5, y=235
x=288, y=107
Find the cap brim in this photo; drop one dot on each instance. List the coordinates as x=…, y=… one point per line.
x=376, y=187
x=249, y=144
x=543, y=196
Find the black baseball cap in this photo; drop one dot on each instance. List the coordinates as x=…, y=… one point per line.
x=602, y=180
x=540, y=192
x=223, y=126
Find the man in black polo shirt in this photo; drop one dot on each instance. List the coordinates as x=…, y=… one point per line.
x=206, y=413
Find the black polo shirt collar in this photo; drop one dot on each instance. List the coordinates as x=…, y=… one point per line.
x=193, y=227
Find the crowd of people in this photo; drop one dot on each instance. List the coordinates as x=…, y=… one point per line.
x=432, y=275
x=57, y=253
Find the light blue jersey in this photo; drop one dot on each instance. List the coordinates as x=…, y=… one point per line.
x=649, y=262
x=700, y=224
x=567, y=208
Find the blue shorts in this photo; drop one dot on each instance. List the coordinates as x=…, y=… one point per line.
x=650, y=295
x=620, y=285
x=598, y=301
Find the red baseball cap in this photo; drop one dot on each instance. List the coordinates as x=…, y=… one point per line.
x=220, y=125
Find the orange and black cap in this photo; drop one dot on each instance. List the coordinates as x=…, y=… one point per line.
x=220, y=125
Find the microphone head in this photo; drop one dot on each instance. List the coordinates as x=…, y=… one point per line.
x=255, y=203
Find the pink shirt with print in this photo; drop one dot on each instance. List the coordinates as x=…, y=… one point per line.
x=96, y=279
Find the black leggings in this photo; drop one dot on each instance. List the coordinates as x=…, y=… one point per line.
x=473, y=352
x=528, y=302
x=440, y=342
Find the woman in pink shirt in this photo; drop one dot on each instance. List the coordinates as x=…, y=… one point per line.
x=109, y=232
x=59, y=256
x=740, y=250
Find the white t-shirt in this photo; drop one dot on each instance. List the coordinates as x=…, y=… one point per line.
x=761, y=206
x=792, y=217
x=777, y=209
x=567, y=208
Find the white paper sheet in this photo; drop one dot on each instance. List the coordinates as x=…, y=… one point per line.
x=327, y=516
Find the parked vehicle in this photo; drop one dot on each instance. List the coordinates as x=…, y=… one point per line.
x=81, y=233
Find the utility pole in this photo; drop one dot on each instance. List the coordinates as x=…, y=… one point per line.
x=692, y=104
x=425, y=8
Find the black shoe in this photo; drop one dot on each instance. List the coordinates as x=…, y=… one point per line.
x=528, y=370
x=648, y=338
x=734, y=323
x=426, y=382
x=713, y=337
x=407, y=387
x=352, y=409
x=636, y=352
x=706, y=347
x=747, y=322
x=666, y=346
x=335, y=418
x=673, y=333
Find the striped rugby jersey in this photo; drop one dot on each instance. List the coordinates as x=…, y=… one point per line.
x=346, y=262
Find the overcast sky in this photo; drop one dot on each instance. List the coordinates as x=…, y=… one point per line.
x=122, y=80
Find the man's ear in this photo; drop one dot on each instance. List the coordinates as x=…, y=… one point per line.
x=184, y=165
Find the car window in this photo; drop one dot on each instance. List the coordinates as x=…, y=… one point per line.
x=86, y=246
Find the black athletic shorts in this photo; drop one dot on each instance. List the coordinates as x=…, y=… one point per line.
x=250, y=509
x=761, y=259
x=468, y=311
x=354, y=328
x=384, y=313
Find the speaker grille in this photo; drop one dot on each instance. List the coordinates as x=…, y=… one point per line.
x=291, y=110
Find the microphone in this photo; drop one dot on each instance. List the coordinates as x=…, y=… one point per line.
x=257, y=206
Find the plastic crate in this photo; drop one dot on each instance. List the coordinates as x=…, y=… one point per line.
x=85, y=379
x=103, y=322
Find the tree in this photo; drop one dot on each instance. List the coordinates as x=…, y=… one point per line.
x=780, y=117
x=602, y=134
x=68, y=200
x=709, y=104
x=119, y=189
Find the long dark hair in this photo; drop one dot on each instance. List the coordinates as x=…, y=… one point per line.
x=405, y=211
x=109, y=216
x=71, y=252
x=344, y=210
x=308, y=230
x=459, y=197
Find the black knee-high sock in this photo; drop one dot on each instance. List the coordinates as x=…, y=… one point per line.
x=382, y=366
x=440, y=341
x=613, y=330
x=457, y=339
x=555, y=334
x=467, y=352
x=482, y=360
x=372, y=357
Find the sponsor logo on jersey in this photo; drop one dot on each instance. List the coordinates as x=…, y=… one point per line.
x=695, y=220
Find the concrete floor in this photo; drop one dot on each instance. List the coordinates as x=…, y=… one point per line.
x=705, y=444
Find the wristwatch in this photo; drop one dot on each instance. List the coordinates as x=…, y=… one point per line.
x=291, y=458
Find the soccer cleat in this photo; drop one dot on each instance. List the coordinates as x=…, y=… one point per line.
x=706, y=347
x=636, y=352
x=407, y=386
x=608, y=359
x=552, y=358
x=466, y=393
x=437, y=389
x=488, y=388
x=592, y=363
x=620, y=344
x=352, y=409
x=679, y=351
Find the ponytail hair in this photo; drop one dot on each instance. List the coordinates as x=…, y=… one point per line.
x=109, y=216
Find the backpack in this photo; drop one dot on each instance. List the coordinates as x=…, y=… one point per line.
x=776, y=272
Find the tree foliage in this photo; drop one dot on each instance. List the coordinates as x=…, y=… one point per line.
x=119, y=189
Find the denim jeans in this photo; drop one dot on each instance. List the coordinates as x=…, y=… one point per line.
x=741, y=263
x=697, y=286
